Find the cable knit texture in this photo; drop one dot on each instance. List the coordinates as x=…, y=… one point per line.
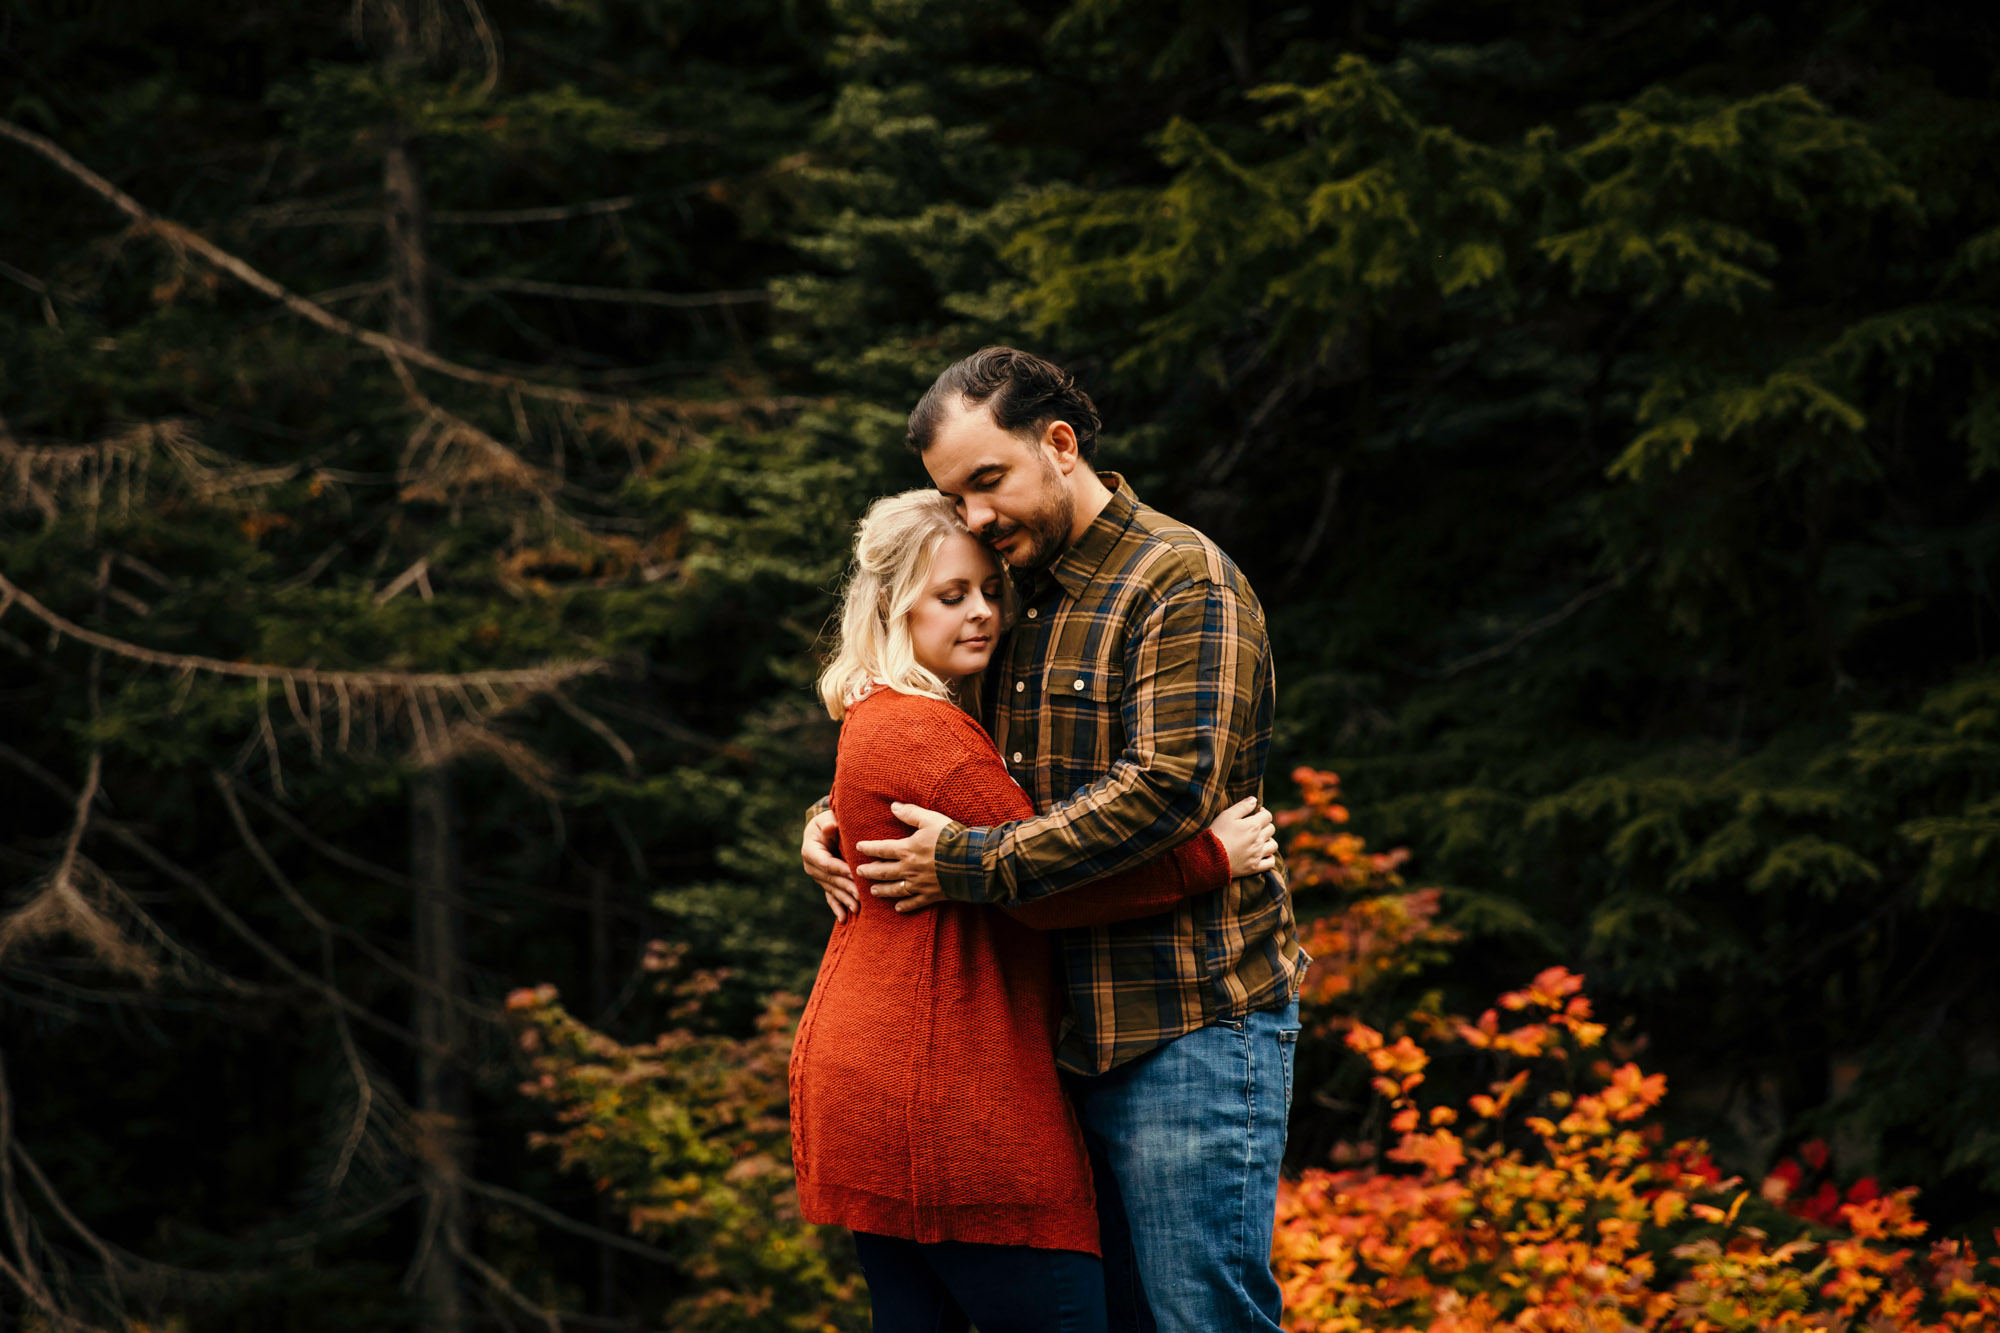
x=923, y=1080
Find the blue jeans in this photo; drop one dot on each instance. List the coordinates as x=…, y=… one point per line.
x=1185, y=1144
x=948, y=1286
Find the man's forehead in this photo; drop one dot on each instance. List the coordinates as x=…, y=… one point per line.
x=967, y=442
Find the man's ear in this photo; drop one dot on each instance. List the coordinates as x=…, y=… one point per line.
x=1060, y=437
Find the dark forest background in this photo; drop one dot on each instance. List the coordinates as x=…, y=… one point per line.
x=430, y=431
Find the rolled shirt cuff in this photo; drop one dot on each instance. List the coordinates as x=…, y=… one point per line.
x=961, y=863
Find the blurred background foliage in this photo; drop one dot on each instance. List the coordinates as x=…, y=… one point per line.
x=1600, y=397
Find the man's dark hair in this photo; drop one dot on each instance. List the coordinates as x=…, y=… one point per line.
x=1023, y=392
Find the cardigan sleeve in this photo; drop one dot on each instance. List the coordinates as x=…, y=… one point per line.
x=979, y=782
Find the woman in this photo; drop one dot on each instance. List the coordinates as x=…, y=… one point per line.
x=926, y=1112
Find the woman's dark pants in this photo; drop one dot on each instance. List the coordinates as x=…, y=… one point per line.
x=951, y=1286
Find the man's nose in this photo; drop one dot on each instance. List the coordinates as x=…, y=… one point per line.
x=977, y=516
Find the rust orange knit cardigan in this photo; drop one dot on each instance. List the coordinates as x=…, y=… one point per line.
x=924, y=1098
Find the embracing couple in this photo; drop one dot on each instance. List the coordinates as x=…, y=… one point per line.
x=1067, y=696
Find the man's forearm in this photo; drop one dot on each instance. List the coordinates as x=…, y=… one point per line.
x=1127, y=817
x=1193, y=669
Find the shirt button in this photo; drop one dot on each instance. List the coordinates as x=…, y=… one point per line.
x=1077, y=683
x=1032, y=613
x=1020, y=685
x=1017, y=756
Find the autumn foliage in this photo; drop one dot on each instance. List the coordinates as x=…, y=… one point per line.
x=1548, y=1202
x=687, y=1135
x=1378, y=931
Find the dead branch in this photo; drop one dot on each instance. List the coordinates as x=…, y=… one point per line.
x=121, y=467
x=38, y=287
x=597, y=725
x=494, y=217
x=536, y=1208
x=551, y=1319
x=327, y=928
x=463, y=458
x=185, y=240
x=489, y=44
x=63, y=906
x=416, y=573
x=1530, y=630
x=121, y=1266
x=531, y=679
x=188, y=880
x=297, y=215
x=341, y=856
x=21, y=1230
x=617, y=295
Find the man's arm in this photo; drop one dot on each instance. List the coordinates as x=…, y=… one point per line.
x=1190, y=696
x=819, y=854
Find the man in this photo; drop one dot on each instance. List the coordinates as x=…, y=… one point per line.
x=1133, y=701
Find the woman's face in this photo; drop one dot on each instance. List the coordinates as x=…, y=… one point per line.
x=956, y=619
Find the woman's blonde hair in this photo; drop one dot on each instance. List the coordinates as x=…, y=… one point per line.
x=894, y=547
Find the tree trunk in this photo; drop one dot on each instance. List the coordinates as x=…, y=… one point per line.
x=438, y=926
x=409, y=261
x=439, y=937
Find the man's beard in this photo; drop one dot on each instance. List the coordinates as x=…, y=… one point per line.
x=1048, y=528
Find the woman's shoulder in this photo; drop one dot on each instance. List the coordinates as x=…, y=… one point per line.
x=891, y=716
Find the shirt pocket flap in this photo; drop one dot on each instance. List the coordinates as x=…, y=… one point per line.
x=1072, y=679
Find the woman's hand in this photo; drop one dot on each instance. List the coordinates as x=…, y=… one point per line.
x=1249, y=834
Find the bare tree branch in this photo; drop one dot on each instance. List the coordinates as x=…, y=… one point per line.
x=294, y=215
x=597, y=725
x=528, y=678
x=551, y=1319
x=63, y=904
x=1531, y=629
x=164, y=865
x=189, y=241
x=536, y=1208
x=24, y=1269
x=327, y=928
x=620, y=295
x=341, y=856
x=492, y=217
x=38, y=287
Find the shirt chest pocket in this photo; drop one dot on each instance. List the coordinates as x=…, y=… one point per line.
x=1082, y=727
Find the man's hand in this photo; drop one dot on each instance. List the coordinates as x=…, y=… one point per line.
x=819, y=853
x=905, y=869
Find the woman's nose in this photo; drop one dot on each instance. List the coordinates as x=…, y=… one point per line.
x=978, y=608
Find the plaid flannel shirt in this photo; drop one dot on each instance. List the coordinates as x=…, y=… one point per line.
x=1133, y=701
